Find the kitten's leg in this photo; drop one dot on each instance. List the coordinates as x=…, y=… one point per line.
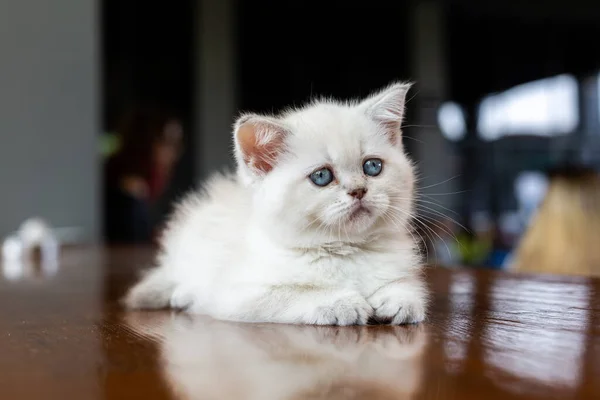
x=321, y=307
x=293, y=304
x=400, y=302
x=153, y=291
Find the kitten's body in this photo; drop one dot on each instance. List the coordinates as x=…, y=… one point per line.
x=268, y=245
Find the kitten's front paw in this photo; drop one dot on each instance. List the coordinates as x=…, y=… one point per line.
x=399, y=303
x=350, y=309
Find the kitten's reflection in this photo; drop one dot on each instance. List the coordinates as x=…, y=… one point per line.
x=207, y=359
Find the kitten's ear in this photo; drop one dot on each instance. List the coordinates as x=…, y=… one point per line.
x=259, y=141
x=387, y=108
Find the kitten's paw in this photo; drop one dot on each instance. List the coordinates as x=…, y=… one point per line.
x=399, y=303
x=350, y=309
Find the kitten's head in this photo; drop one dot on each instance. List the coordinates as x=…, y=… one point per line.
x=330, y=171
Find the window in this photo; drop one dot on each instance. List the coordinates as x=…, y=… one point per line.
x=547, y=107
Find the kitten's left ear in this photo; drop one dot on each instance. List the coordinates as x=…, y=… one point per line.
x=387, y=109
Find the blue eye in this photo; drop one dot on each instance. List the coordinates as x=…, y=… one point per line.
x=321, y=177
x=373, y=166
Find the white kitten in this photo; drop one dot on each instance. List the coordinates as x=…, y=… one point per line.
x=315, y=228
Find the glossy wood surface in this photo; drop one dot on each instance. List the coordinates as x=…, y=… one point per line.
x=489, y=336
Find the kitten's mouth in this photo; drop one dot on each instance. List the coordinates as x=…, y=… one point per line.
x=359, y=210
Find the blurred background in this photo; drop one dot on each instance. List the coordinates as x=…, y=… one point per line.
x=110, y=110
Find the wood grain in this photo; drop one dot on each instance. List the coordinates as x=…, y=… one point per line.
x=489, y=336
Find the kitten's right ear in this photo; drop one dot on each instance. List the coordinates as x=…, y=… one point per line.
x=387, y=109
x=259, y=142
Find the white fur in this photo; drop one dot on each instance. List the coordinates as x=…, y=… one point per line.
x=274, y=247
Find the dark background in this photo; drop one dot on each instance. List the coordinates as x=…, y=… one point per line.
x=285, y=53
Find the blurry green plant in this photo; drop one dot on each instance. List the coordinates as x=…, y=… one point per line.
x=474, y=250
x=109, y=144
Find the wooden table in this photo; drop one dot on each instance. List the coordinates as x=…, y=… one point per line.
x=489, y=336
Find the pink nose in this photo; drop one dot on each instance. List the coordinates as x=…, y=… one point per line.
x=358, y=193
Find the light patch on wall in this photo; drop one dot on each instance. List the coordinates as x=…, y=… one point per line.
x=546, y=107
x=451, y=120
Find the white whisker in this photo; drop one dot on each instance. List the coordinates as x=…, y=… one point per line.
x=440, y=183
x=427, y=228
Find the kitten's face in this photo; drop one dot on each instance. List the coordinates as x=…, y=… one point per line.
x=341, y=176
